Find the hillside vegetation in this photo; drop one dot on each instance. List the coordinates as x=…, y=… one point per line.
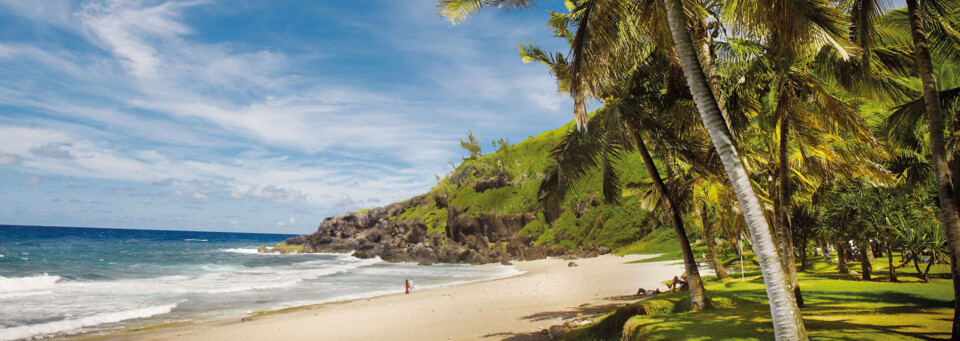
x=487, y=210
x=506, y=182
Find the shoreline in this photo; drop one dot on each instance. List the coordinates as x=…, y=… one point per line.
x=547, y=293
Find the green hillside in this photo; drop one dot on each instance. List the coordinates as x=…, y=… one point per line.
x=514, y=174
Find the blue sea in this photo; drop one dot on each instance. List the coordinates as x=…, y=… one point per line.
x=57, y=281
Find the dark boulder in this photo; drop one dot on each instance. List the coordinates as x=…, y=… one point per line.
x=535, y=252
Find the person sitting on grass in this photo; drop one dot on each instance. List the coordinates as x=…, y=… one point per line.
x=679, y=283
x=646, y=293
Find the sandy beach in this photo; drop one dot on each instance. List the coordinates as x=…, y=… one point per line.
x=518, y=308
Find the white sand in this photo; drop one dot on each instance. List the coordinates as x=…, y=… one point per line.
x=549, y=293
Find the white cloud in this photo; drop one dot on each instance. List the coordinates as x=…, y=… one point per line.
x=282, y=195
x=157, y=102
x=242, y=190
x=31, y=181
x=9, y=159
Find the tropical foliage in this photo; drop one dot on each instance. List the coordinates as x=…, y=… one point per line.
x=801, y=124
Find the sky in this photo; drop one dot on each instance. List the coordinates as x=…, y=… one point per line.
x=252, y=116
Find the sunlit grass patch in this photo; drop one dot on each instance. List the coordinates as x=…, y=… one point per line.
x=838, y=307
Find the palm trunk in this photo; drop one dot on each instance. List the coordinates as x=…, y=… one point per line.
x=825, y=250
x=783, y=210
x=711, y=248
x=842, y=258
x=698, y=294
x=916, y=264
x=865, y=264
x=926, y=272
x=893, y=270
x=710, y=69
x=803, y=255
x=945, y=190
x=787, y=322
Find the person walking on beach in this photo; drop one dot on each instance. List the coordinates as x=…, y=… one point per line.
x=408, y=284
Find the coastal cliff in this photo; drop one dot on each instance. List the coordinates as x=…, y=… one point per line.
x=479, y=239
x=484, y=211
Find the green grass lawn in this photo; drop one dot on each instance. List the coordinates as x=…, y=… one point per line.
x=838, y=307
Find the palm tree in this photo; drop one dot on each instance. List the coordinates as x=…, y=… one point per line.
x=613, y=127
x=938, y=13
x=945, y=186
x=787, y=321
x=788, y=324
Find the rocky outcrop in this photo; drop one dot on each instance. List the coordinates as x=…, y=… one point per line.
x=467, y=238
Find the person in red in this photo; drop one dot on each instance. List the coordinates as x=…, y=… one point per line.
x=406, y=284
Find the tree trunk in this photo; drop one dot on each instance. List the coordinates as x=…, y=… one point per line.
x=867, y=267
x=711, y=248
x=893, y=270
x=842, y=258
x=710, y=69
x=783, y=211
x=803, y=254
x=945, y=190
x=825, y=249
x=787, y=321
x=916, y=265
x=698, y=294
x=869, y=250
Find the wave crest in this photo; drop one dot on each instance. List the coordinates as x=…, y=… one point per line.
x=29, y=331
x=21, y=284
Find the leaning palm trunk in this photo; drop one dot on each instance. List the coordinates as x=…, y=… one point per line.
x=711, y=247
x=783, y=209
x=787, y=322
x=698, y=295
x=945, y=190
x=710, y=69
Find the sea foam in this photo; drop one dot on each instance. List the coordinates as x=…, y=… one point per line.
x=56, y=327
x=22, y=284
x=244, y=251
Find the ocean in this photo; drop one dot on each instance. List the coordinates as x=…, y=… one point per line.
x=57, y=281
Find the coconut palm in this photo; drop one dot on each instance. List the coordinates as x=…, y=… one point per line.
x=787, y=321
x=788, y=325
x=941, y=18
x=612, y=128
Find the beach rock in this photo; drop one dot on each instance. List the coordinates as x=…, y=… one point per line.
x=535, y=252
x=572, y=264
x=556, y=251
x=362, y=254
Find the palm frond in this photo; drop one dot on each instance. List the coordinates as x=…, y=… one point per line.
x=458, y=10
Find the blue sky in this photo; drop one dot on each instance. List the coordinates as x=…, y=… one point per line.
x=254, y=116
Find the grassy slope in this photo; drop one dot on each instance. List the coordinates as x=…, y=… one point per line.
x=839, y=307
x=613, y=226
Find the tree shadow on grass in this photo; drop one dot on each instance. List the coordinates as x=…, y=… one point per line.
x=887, y=330
x=532, y=336
x=583, y=310
x=750, y=317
